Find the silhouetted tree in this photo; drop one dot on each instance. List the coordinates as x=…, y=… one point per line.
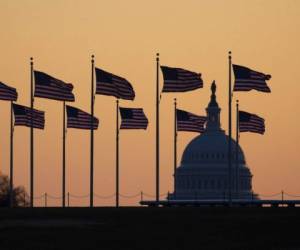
x=19, y=195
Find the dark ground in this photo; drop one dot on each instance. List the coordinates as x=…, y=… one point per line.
x=149, y=228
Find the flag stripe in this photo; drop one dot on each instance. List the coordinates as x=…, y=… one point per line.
x=49, y=87
x=112, y=85
x=247, y=79
x=23, y=116
x=180, y=80
x=77, y=118
x=190, y=122
x=251, y=123
x=7, y=93
x=133, y=118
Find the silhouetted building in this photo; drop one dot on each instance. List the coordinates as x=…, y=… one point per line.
x=203, y=172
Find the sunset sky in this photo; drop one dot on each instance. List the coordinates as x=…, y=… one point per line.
x=124, y=36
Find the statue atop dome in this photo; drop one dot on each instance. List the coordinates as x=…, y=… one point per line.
x=213, y=98
x=213, y=111
x=213, y=88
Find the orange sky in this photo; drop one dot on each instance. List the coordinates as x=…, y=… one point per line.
x=124, y=36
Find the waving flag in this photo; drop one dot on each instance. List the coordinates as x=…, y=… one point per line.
x=251, y=123
x=180, y=80
x=247, y=79
x=77, y=118
x=23, y=116
x=190, y=122
x=7, y=93
x=49, y=87
x=133, y=118
x=112, y=85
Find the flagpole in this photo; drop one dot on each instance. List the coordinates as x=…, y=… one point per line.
x=92, y=137
x=31, y=136
x=117, y=154
x=229, y=134
x=157, y=128
x=175, y=143
x=64, y=157
x=237, y=149
x=11, y=182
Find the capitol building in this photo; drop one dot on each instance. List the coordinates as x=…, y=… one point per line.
x=203, y=172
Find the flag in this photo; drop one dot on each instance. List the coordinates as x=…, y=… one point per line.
x=23, y=116
x=7, y=93
x=251, y=123
x=247, y=79
x=189, y=122
x=180, y=80
x=112, y=85
x=77, y=118
x=133, y=118
x=49, y=87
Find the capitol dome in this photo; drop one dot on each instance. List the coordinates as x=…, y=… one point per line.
x=203, y=173
x=210, y=148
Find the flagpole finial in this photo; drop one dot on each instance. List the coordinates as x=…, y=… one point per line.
x=157, y=56
x=229, y=54
x=31, y=60
x=93, y=58
x=175, y=100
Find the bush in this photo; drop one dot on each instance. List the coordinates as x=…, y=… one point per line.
x=20, y=197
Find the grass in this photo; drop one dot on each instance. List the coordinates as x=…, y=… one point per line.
x=149, y=228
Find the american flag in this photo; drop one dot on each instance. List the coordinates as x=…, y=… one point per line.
x=180, y=80
x=251, y=123
x=190, y=122
x=133, y=118
x=49, y=87
x=8, y=93
x=247, y=79
x=23, y=116
x=77, y=118
x=112, y=85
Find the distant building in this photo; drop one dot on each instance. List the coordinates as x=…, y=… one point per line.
x=203, y=172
